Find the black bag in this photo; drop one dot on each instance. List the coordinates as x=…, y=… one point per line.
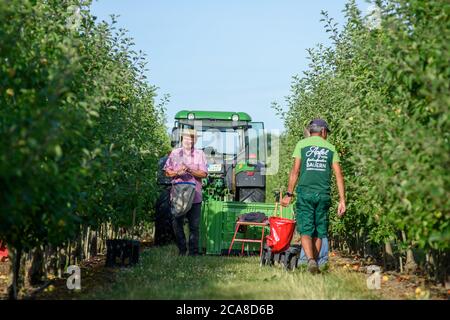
x=181, y=198
x=258, y=217
x=253, y=217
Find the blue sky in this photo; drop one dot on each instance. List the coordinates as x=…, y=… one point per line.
x=224, y=55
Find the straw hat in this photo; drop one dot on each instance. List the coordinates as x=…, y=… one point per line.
x=192, y=133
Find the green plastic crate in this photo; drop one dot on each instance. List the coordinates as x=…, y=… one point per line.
x=219, y=222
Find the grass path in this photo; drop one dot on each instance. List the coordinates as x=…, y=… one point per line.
x=162, y=274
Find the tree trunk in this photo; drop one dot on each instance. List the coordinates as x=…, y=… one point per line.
x=389, y=259
x=441, y=265
x=93, y=244
x=86, y=243
x=50, y=261
x=15, y=255
x=99, y=239
x=69, y=252
x=25, y=267
x=79, y=249
x=36, y=271
x=58, y=263
x=133, y=225
x=62, y=261
x=410, y=265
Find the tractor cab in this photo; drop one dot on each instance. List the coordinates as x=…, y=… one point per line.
x=235, y=150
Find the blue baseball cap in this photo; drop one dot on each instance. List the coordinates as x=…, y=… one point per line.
x=319, y=123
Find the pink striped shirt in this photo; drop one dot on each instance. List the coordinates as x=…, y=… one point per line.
x=195, y=160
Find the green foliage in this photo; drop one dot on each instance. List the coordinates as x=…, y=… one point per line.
x=278, y=182
x=385, y=93
x=79, y=128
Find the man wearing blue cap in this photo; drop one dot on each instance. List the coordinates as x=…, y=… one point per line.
x=314, y=157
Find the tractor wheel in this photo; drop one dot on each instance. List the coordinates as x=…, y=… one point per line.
x=252, y=194
x=164, y=233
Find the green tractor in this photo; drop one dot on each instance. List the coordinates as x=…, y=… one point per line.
x=236, y=153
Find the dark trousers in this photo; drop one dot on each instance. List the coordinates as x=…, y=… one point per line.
x=193, y=217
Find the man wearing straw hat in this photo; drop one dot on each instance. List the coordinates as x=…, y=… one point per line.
x=314, y=157
x=188, y=165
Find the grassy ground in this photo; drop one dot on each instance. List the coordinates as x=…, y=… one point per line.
x=162, y=274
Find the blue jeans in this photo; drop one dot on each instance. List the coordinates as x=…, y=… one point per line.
x=193, y=217
x=323, y=254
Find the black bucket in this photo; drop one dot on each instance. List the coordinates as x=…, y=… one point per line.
x=121, y=252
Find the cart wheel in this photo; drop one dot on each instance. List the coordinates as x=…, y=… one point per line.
x=276, y=257
x=265, y=256
x=269, y=258
x=292, y=265
x=262, y=260
x=284, y=259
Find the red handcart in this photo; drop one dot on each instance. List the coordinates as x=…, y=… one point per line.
x=281, y=231
x=278, y=244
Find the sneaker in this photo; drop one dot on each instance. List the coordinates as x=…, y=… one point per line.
x=312, y=266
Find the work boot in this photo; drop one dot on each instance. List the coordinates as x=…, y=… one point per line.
x=312, y=266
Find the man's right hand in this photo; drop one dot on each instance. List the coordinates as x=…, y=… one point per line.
x=286, y=201
x=341, y=208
